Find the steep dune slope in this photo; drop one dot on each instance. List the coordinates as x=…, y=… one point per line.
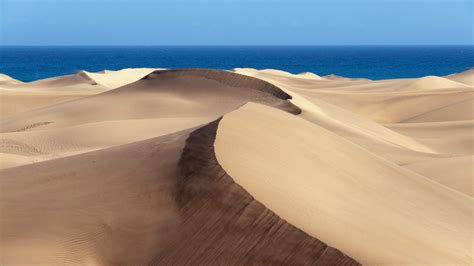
x=163, y=200
x=371, y=209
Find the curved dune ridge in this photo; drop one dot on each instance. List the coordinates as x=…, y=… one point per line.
x=200, y=166
x=352, y=188
x=181, y=208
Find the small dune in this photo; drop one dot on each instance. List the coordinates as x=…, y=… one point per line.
x=466, y=77
x=115, y=79
x=435, y=83
x=5, y=79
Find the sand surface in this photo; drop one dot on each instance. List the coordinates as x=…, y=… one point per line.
x=193, y=166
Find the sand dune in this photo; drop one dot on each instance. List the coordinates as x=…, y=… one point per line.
x=392, y=107
x=162, y=226
x=18, y=97
x=386, y=101
x=354, y=207
x=367, y=133
x=336, y=77
x=277, y=73
x=115, y=79
x=5, y=79
x=162, y=94
x=466, y=77
x=15, y=102
x=435, y=83
x=198, y=166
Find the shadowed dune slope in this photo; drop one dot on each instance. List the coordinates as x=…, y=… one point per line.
x=163, y=201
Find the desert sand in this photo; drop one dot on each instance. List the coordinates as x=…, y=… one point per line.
x=244, y=166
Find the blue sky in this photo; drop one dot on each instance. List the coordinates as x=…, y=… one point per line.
x=235, y=22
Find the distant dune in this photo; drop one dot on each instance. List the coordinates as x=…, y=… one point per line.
x=466, y=77
x=199, y=166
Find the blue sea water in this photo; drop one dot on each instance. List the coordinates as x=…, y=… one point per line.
x=374, y=62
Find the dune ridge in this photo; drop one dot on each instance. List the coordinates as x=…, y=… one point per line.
x=200, y=214
x=228, y=78
x=395, y=224
x=200, y=166
x=217, y=208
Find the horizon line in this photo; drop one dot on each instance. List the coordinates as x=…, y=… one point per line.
x=218, y=45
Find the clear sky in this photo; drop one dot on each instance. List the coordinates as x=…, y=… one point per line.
x=235, y=22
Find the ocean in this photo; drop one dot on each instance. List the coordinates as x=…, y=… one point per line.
x=373, y=62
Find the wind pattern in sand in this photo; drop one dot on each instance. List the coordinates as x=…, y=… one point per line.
x=238, y=167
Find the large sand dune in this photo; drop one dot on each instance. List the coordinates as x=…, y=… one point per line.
x=197, y=166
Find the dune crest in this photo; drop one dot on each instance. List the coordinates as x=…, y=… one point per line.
x=201, y=166
x=190, y=212
x=301, y=180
